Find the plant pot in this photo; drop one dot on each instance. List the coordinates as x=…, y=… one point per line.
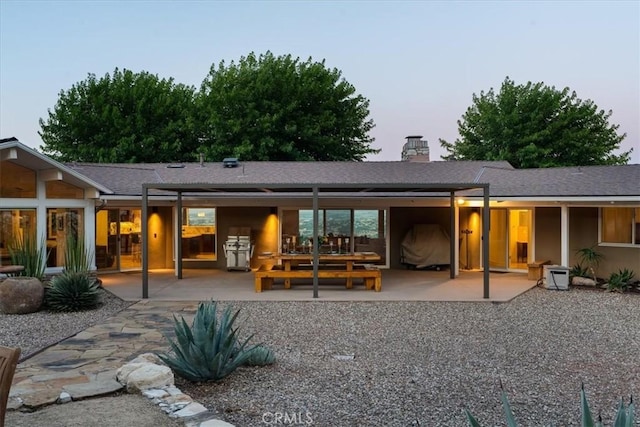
x=21, y=295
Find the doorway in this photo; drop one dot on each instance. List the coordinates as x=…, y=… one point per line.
x=510, y=237
x=118, y=239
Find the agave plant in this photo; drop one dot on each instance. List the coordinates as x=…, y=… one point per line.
x=620, y=281
x=72, y=291
x=260, y=356
x=210, y=348
x=25, y=251
x=77, y=257
x=625, y=416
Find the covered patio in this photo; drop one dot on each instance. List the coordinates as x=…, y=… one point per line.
x=398, y=285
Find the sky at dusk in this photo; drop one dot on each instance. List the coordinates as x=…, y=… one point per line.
x=418, y=62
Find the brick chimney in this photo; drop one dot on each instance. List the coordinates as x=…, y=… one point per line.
x=415, y=149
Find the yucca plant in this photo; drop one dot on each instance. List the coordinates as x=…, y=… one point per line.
x=210, y=348
x=591, y=258
x=77, y=257
x=25, y=251
x=72, y=291
x=625, y=416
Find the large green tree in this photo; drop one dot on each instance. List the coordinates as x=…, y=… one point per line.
x=124, y=117
x=280, y=108
x=536, y=126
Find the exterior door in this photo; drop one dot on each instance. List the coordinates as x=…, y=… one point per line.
x=118, y=239
x=510, y=238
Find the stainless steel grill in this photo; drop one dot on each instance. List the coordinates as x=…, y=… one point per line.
x=238, y=250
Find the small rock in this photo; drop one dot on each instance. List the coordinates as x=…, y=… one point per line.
x=64, y=397
x=155, y=393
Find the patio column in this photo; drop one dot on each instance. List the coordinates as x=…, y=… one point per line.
x=179, y=237
x=145, y=242
x=564, y=235
x=316, y=246
x=452, y=232
x=486, y=219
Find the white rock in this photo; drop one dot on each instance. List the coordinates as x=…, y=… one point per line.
x=215, y=423
x=149, y=376
x=173, y=390
x=190, y=410
x=123, y=373
x=154, y=393
x=148, y=358
x=583, y=281
x=64, y=397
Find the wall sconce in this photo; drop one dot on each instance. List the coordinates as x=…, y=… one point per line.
x=460, y=202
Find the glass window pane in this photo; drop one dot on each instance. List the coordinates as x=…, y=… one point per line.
x=62, y=190
x=617, y=225
x=62, y=223
x=198, y=237
x=15, y=224
x=17, y=181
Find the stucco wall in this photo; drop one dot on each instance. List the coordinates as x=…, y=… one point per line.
x=547, y=235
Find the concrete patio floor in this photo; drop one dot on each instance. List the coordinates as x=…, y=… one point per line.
x=397, y=285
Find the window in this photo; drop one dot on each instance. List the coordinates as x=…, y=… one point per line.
x=15, y=224
x=17, y=181
x=62, y=190
x=198, y=237
x=62, y=223
x=620, y=225
x=359, y=230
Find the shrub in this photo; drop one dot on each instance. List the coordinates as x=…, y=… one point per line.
x=625, y=417
x=620, y=281
x=210, y=349
x=578, y=271
x=25, y=251
x=72, y=291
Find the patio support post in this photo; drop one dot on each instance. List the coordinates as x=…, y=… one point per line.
x=316, y=245
x=452, y=233
x=145, y=243
x=486, y=220
x=564, y=235
x=179, y=237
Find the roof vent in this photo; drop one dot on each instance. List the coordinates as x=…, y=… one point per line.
x=175, y=166
x=230, y=162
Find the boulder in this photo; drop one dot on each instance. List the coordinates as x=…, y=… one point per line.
x=21, y=295
x=583, y=281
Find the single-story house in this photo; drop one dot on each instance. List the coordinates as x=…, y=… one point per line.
x=193, y=209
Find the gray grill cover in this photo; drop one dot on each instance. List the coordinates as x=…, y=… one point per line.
x=426, y=245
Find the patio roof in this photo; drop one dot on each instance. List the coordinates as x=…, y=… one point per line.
x=315, y=190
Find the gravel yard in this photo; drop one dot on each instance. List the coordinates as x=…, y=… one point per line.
x=36, y=331
x=421, y=363
x=414, y=363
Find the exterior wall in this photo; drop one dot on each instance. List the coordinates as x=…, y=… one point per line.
x=260, y=221
x=160, y=238
x=401, y=220
x=547, y=235
x=583, y=233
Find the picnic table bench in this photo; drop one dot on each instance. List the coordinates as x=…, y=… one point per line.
x=334, y=266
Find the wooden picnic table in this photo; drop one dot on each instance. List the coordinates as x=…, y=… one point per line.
x=340, y=265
